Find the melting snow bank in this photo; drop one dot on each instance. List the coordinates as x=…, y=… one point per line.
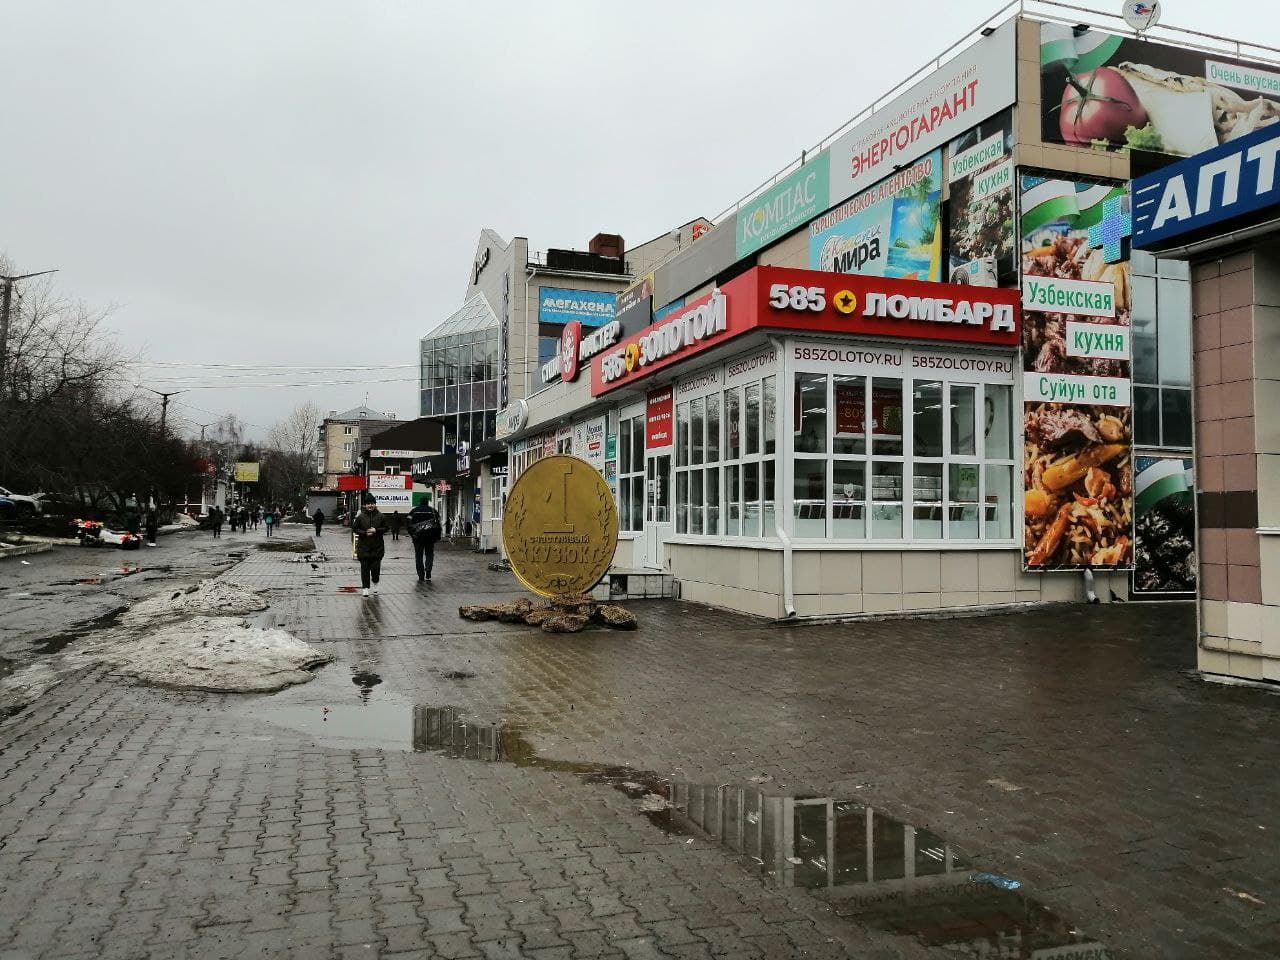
x=216, y=598
x=190, y=639
x=205, y=653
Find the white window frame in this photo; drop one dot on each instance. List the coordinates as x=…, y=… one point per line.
x=1003, y=373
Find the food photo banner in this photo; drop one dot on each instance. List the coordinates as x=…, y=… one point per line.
x=1164, y=527
x=891, y=230
x=1077, y=443
x=1103, y=90
x=981, y=244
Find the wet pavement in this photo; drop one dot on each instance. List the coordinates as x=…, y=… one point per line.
x=1053, y=784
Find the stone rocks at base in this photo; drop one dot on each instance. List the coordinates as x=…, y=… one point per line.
x=513, y=612
x=565, y=601
x=564, y=622
x=568, y=613
x=620, y=618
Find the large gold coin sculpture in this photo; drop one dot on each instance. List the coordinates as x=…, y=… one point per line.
x=560, y=527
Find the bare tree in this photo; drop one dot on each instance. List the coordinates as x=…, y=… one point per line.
x=293, y=445
x=72, y=419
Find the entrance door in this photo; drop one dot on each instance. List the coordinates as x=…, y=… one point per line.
x=658, y=525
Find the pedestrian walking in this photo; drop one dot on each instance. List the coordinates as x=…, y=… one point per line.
x=153, y=526
x=218, y=518
x=318, y=517
x=369, y=529
x=448, y=528
x=396, y=522
x=244, y=519
x=270, y=519
x=257, y=516
x=424, y=530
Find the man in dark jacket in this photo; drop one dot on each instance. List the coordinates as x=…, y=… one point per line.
x=368, y=529
x=424, y=530
x=318, y=517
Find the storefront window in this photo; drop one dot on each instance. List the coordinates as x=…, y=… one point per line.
x=955, y=484
x=811, y=413
x=751, y=419
x=631, y=474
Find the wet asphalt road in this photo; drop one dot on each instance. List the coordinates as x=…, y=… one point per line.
x=456, y=789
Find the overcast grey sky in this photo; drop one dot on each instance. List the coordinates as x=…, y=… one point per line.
x=303, y=181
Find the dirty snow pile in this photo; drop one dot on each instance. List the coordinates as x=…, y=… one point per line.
x=206, y=653
x=217, y=598
x=318, y=557
x=192, y=639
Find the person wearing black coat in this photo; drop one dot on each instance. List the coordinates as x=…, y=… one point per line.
x=424, y=530
x=369, y=529
x=318, y=517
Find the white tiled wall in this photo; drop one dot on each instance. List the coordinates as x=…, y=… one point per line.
x=840, y=582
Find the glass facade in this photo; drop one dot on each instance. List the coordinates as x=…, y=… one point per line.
x=459, y=374
x=1161, y=325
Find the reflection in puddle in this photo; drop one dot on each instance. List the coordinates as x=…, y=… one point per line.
x=878, y=871
x=875, y=870
x=366, y=680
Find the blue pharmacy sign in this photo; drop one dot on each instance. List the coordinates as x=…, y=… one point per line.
x=1224, y=183
x=592, y=308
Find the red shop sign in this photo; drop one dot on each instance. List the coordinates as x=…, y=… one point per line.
x=351, y=483
x=659, y=418
x=812, y=301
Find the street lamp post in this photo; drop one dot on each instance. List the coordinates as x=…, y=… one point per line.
x=6, y=299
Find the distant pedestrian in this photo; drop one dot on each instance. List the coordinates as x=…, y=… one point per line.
x=448, y=528
x=369, y=529
x=318, y=517
x=244, y=519
x=396, y=522
x=257, y=516
x=424, y=530
x=270, y=521
x=217, y=517
x=153, y=526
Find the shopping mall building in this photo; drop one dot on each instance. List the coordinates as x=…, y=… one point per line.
x=924, y=368
x=492, y=348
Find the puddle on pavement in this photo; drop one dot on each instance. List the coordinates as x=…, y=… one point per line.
x=875, y=870
x=366, y=680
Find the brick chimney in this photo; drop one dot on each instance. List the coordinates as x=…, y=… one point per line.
x=607, y=245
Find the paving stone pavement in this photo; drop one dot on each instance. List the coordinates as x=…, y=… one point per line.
x=1069, y=748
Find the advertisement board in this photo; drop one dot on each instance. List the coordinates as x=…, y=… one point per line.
x=813, y=301
x=634, y=307
x=1164, y=526
x=977, y=83
x=246, y=472
x=390, y=501
x=786, y=206
x=1100, y=90
x=891, y=230
x=390, y=481
x=658, y=418
x=591, y=308
x=980, y=248
x=1077, y=457
x=670, y=308
x=1222, y=184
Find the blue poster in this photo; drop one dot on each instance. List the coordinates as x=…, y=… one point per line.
x=593, y=308
x=890, y=230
